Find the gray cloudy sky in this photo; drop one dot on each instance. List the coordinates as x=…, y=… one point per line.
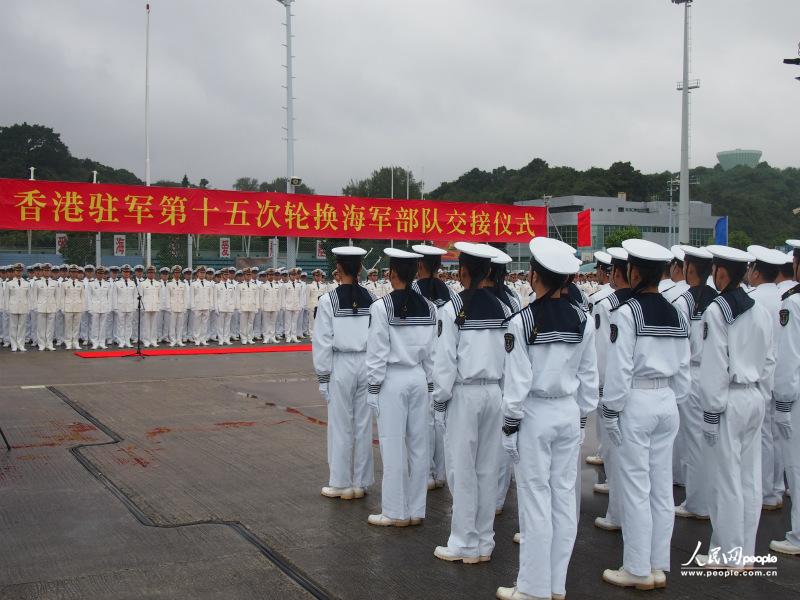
x=447, y=85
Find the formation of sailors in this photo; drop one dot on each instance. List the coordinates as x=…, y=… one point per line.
x=73, y=306
x=692, y=376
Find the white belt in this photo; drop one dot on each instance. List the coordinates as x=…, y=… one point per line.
x=478, y=382
x=640, y=383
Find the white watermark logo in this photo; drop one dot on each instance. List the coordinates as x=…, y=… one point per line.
x=729, y=564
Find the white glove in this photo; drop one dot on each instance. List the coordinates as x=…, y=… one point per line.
x=323, y=390
x=612, y=429
x=711, y=430
x=440, y=419
x=510, y=446
x=372, y=401
x=783, y=420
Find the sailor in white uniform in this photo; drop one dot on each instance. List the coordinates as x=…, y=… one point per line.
x=647, y=375
x=601, y=314
x=787, y=399
x=402, y=334
x=125, y=295
x=44, y=299
x=737, y=376
x=151, y=290
x=248, y=300
x=18, y=306
x=73, y=303
x=338, y=345
x=762, y=275
x=99, y=301
x=468, y=368
x=550, y=382
x=676, y=276
x=439, y=294
x=603, y=272
x=689, y=446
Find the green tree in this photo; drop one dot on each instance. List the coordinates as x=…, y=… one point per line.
x=203, y=183
x=79, y=249
x=279, y=185
x=616, y=238
x=379, y=184
x=246, y=184
x=171, y=250
x=739, y=239
x=185, y=181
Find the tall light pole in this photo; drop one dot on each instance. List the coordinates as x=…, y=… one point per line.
x=147, y=236
x=684, y=87
x=291, y=243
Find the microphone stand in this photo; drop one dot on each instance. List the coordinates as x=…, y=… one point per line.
x=138, y=354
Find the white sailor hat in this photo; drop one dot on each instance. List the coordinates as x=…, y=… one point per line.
x=151, y=268
x=239, y=272
x=618, y=254
x=602, y=257
x=501, y=258
x=231, y=269
x=767, y=255
x=401, y=254
x=647, y=250
x=73, y=268
x=476, y=250
x=795, y=244
x=427, y=250
x=211, y=270
x=89, y=267
x=730, y=254
x=696, y=253
x=348, y=251
x=187, y=270
x=554, y=255
x=126, y=267
x=80, y=270
x=790, y=257
x=255, y=270
x=100, y=268
x=47, y=266
x=303, y=274
x=678, y=253
x=164, y=270
x=564, y=246
x=113, y=268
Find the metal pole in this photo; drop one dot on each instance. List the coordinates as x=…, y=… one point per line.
x=391, y=195
x=683, y=200
x=98, y=254
x=291, y=243
x=189, y=241
x=408, y=184
x=30, y=233
x=148, y=236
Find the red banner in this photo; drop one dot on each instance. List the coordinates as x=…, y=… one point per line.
x=64, y=206
x=585, y=228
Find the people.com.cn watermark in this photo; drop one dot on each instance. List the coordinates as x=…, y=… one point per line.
x=729, y=564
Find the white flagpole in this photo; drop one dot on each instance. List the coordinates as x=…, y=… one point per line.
x=148, y=236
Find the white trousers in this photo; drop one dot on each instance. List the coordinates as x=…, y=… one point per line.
x=224, y=327
x=246, y=319
x=349, y=423
x=200, y=326
x=149, y=328
x=679, y=447
x=124, y=328
x=174, y=329
x=436, y=434
x=86, y=322
x=45, y=329
x=111, y=328
x=280, y=322
x=59, y=328
x=548, y=444
x=609, y=453
x=257, y=327
x=403, y=431
x=17, y=329
x=98, y=333
x=734, y=473
x=268, y=324
x=694, y=445
x=310, y=321
x=649, y=425
x=213, y=317
x=790, y=450
x=504, y=479
x=769, y=453
x=290, y=318
x=473, y=447
x=72, y=329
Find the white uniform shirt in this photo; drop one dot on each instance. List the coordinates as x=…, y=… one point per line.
x=225, y=296
x=202, y=294
x=271, y=296
x=98, y=298
x=293, y=296
x=18, y=300
x=314, y=291
x=248, y=296
x=73, y=296
x=125, y=295
x=151, y=291
x=558, y=364
x=393, y=343
x=651, y=355
x=177, y=295
x=44, y=296
x=674, y=292
x=787, y=356
x=737, y=349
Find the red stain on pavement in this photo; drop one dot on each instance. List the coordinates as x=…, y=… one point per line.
x=79, y=428
x=158, y=431
x=235, y=424
x=131, y=457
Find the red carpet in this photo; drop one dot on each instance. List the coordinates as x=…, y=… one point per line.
x=255, y=348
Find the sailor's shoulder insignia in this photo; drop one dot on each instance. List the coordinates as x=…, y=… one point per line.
x=614, y=333
x=597, y=321
x=784, y=315
x=439, y=329
x=509, y=341
x=705, y=330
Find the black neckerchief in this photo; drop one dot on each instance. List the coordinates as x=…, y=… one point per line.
x=549, y=320
x=350, y=300
x=654, y=316
x=698, y=299
x=734, y=303
x=407, y=307
x=433, y=289
x=485, y=310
